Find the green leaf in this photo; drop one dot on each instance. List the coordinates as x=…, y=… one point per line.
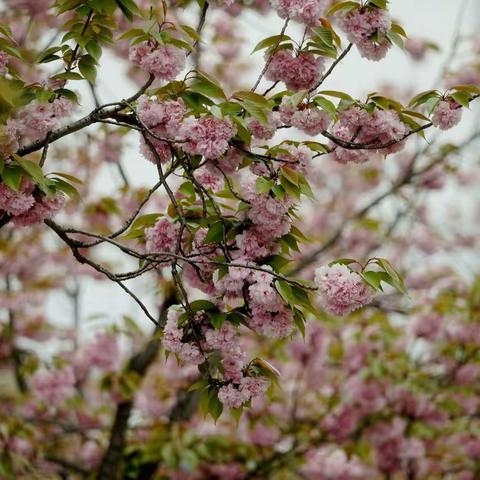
x=200, y=385
x=48, y=55
x=283, y=288
x=202, y=305
x=397, y=280
x=67, y=176
x=63, y=186
x=191, y=32
x=129, y=8
x=270, y=42
x=422, y=97
x=94, y=49
x=187, y=189
x=379, y=3
x=396, y=39
x=216, y=233
x=463, y=98
x=326, y=105
x=33, y=170
x=334, y=93
x=215, y=406
x=291, y=175
x=347, y=6
x=467, y=88
x=289, y=187
x=342, y=261
x=208, y=85
x=263, y=185
x=12, y=177
x=399, y=29
x=69, y=76
x=253, y=98
x=87, y=70
x=217, y=319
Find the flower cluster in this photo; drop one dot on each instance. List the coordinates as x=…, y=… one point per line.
x=305, y=11
x=264, y=131
x=341, y=290
x=163, y=61
x=163, y=120
x=54, y=386
x=356, y=125
x=235, y=396
x=366, y=27
x=195, y=340
x=298, y=73
x=28, y=206
x=447, y=114
x=162, y=237
x=37, y=119
x=307, y=118
x=207, y=136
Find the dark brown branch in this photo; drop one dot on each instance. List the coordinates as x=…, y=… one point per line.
x=111, y=467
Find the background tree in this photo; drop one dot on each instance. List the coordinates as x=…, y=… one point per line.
x=312, y=317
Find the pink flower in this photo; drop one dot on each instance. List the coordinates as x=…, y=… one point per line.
x=163, y=120
x=254, y=387
x=8, y=137
x=344, y=155
x=167, y=114
x=233, y=361
x=367, y=27
x=299, y=158
x=447, y=114
x=156, y=150
x=4, y=59
x=191, y=354
x=54, y=386
x=230, y=396
x=268, y=213
x=264, y=435
x=262, y=131
x=311, y=121
x=172, y=334
x=102, y=352
x=357, y=126
x=427, y=326
x=278, y=324
x=110, y=147
x=16, y=203
x=232, y=283
x=305, y=11
x=162, y=237
x=163, y=61
x=33, y=7
x=261, y=293
x=341, y=290
x=37, y=119
x=207, y=136
x=209, y=177
x=416, y=48
x=44, y=207
x=298, y=73
x=91, y=454
x=331, y=463
x=223, y=339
